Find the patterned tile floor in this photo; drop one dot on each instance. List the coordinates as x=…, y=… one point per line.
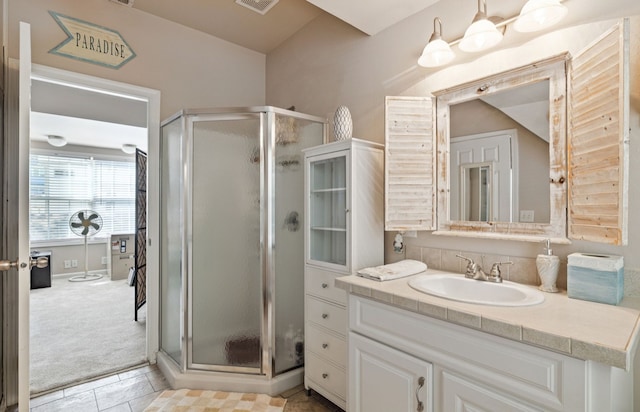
x=134, y=390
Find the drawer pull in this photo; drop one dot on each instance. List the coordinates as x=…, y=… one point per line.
x=325, y=315
x=325, y=375
x=420, y=407
x=325, y=345
x=325, y=285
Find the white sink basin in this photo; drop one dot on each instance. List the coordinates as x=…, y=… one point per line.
x=457, y=287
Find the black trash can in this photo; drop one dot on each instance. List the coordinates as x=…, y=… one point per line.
x=41, y=277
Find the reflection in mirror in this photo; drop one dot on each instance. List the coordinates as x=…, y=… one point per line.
x=507, y=131
x=475, y=192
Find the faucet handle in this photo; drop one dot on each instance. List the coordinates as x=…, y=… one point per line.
x=495, y=269
x=469, y=261
x=472, y=267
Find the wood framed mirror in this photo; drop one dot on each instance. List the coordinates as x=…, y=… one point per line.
x=510, y=130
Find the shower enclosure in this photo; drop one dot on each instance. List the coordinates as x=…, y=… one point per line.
x=232, y=256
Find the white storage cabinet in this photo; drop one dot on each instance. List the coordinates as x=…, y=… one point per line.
x=344, y=232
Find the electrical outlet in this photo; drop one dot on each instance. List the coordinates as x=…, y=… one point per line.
x=104, y=260
x=67, y=264
x=74, y=263
x=526, y=216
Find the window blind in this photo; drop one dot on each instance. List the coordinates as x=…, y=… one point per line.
x=61, y=186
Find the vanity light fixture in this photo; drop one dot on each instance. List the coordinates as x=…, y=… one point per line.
x=56, y=140
x=129, y=148
x=437, y=52
x=482, y=34
x=539, y=14
x=486, y=32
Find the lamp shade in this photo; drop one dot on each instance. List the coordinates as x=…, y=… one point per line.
x=481, y=35
x=539, y=14
x=436, y=53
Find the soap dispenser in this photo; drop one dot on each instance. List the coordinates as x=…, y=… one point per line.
x=548, y=265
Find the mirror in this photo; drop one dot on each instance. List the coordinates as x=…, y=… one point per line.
x=502, y=155
x=509, y=131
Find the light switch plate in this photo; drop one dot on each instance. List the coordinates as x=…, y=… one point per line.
x=526, y=216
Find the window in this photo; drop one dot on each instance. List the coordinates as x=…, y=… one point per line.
x=63, y=185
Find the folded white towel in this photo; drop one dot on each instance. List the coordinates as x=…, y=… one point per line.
x=392, y=271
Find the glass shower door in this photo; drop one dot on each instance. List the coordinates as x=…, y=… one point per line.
x=225, y=276
x=171, y=244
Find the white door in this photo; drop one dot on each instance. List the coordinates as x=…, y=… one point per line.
x=383, y=379
x=493, y=150
x=16, y=198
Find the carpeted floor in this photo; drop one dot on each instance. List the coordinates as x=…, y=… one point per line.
x=187, y=400
x=81, y=330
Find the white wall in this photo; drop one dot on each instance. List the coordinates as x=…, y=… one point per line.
x=328, y=63
x=191, y=69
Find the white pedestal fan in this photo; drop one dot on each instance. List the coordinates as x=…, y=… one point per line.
x=85, y=223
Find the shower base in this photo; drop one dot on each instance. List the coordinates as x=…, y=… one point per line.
x=226, y=381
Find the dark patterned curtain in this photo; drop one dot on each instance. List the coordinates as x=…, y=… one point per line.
x=141, y=232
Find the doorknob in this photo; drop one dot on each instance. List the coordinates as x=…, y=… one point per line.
x=7, y=264
x=41, y=262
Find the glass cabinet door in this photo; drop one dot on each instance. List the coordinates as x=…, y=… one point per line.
x=328, y=209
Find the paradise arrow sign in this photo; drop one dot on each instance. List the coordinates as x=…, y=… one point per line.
x=92, y=43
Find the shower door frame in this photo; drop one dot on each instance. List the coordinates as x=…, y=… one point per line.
x=191, y=119
x=267, y=140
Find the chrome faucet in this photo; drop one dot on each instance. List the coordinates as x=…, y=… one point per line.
x=474, y=271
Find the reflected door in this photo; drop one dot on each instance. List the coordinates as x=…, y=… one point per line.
x=469, y=156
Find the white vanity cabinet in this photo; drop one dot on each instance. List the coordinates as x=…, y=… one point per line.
x=344, y=232
x=464, y=369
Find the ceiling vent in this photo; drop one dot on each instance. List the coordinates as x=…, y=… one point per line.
x=124, y=2
x=259, y=6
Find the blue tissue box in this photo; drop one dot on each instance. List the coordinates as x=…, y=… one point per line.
x=598, y=278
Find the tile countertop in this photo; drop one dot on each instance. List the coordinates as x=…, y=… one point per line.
x=581, y=329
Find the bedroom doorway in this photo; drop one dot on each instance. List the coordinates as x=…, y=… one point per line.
x=86, y=329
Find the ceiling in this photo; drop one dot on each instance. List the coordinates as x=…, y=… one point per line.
x=263, y=33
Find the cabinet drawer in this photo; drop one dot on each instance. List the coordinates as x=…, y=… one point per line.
x=325, y=314
x=326, y=345
x=321, y=283
x=326, y=375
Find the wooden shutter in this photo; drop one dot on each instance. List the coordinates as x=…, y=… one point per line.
x=598, y=146
x=410, y=184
